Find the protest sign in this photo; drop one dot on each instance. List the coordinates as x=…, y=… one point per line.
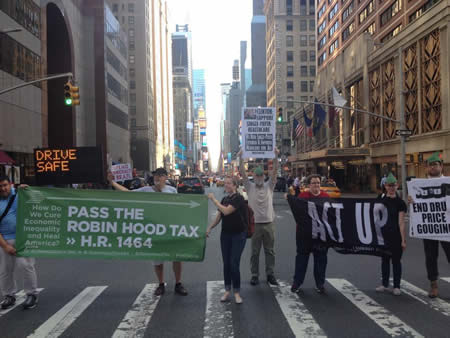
x=122, y=172
x=258, y=132
x=429, y=217
x=61, y=223
x=350, y=226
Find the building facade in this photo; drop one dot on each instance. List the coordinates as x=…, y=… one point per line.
x=359, y=148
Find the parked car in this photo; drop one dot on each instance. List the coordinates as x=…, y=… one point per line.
x=281, y=184
x=190, y=185
x=206, y=182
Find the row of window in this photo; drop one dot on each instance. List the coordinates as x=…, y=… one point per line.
x=303, y=86
x=25, y=12
x=116, y=89
x=303, y=40
x=303, y=55
x=303, y=10
x=303, y=25
x=115, y=7
x=303, y=71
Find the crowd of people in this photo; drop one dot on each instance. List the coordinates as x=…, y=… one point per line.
x=233, y=214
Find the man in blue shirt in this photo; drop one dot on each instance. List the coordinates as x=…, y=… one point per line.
x=8, y=259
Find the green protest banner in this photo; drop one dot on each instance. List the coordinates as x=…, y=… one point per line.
x=61, y=223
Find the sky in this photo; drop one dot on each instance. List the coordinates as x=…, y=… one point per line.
x=217, y=28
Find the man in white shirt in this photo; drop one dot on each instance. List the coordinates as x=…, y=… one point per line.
x=260, y=199
x=160, y=177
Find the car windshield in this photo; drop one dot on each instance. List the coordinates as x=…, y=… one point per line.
x=190, y=181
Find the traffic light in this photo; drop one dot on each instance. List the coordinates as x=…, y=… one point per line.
x=71, y=94
x=280, y=115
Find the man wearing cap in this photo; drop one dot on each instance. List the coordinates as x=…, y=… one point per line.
x=260, y=199
x=159, y=177
x=431, y=247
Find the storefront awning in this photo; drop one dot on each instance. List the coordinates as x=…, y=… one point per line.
x=5, y=159
x=333, y=154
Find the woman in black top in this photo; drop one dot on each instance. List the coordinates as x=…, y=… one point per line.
x=394, y=235
x=232, y=211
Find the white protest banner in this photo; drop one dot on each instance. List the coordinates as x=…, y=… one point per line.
x=429, y=217
x=122, y=172
x=258, y=132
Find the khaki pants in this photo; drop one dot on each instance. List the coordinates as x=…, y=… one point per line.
x=264, y=235
x=8, y=265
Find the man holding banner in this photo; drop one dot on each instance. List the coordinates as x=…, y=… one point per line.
x=160, y=177
x=430, y=206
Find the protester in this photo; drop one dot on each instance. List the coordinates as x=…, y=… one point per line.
x=233, y=213
x=394, y=235
x=318, y=250
x=159, y=186
x=260, y=199
x=290, y=181
x=431, y=247
x=9, y=262
x=382, y=183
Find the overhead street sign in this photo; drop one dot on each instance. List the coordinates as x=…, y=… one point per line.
x=403, y=132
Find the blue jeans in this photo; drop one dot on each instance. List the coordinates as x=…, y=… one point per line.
x=301, y=265
x=232, y=245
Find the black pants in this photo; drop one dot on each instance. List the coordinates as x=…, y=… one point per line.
x=431, y=248
x=396, y=267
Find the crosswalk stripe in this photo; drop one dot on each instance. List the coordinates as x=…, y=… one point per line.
x=422, y=296
x=20, y=298
x=136, y=320
x=390, y=323
x=62, y=319
x=218, y=316
x=446, y=279
x=298, y=316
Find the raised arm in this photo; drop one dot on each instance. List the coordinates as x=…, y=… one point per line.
x=273, y=174
x=242, y=168
x=226, y=210
x=115, y=185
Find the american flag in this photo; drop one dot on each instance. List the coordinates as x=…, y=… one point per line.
x=298, y=129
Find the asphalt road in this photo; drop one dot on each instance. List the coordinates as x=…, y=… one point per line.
x=105, y=298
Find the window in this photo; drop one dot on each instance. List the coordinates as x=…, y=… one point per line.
x=303, y=71
x=132, y=122
x=289, y=56
x=132, y=59
x=290, y=71
x=132, y=84
x=115, y=7
x=290, y=86
x=133, y=98
x=131, y=8
x=312, y=25
x=333, y=28
x=289, y=41
x=390, y=12
x=131, y=33
x=322, y=26
x=347, y=12
x=133, y=110
x=322, y=58
x=25, y=12
x=303, y=56
x=312, y=70
x=303, y=25
x=132, y=72
x=371, y=29
x=289, y=25
x=302, y=7
x=312, y=7
x=312, y=55
x=422, y=9
x=312, y=40
x=321, y=11
x=303, y=86
x=333, y=11
x=303, y=40
x=334, y=46
x=289, y=7
x=348, y=31
x=131, y=20
x=290, y=104
x=391, y=34
x=322, y=42
x=311, y=86
x=366, y=12
x=305, y=98
x=132, y=45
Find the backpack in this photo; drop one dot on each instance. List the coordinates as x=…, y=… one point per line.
x=250, y=220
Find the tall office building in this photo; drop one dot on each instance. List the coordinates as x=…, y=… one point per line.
x=199, y=91
x=256, y=94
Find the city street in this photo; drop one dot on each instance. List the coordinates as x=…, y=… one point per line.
x=105, y=298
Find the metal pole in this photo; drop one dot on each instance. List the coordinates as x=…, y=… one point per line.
x=52, y=77
x=10, y=30
x=402, y=124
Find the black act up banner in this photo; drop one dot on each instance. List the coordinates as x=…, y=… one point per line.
x=350, y=226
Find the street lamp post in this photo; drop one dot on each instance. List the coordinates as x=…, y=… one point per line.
x=10, y=30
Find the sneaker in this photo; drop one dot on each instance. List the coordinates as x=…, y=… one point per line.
x=381, y=288
x=397, y=292
x=295, y=288
x=272, y=280
x=30, y=302
x=8, y=301
x=434, y=289
x=320, y=289
x=160, y=290
x=179, y=289
x=254, y=281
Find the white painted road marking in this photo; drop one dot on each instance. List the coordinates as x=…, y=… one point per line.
x=390, y=323
x=136, y=320
x=422, y=296
x=446, y=279
x=62, y=319
x=298, y=316
x=20, y=298
x=218, y=315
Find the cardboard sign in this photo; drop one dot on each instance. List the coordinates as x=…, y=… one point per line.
x=258, y=132
x=122, y=172
x=68, y=165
